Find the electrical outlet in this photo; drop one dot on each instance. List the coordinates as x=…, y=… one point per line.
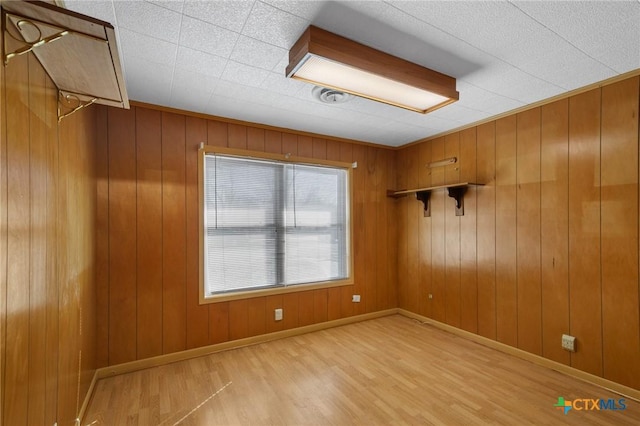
x=278, y=314
x=430, y=296
x=356, y=298
x=568, y=343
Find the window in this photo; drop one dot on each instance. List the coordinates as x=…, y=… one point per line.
x=270, y=224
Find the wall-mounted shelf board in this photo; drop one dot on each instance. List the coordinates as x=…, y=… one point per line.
x=455, y=191
x=78, y=52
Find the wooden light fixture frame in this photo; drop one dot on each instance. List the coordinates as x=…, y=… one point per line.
x=318, y=42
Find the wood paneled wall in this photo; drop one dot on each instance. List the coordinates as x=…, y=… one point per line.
x=147, y=232
x=47, y=211
x=548, y=246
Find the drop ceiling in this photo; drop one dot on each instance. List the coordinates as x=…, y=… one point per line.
x=227, y=58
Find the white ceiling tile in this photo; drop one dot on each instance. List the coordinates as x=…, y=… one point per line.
x=518, y=85
x=274, y=26
x=200, y=62
x=191, y=91
x=307, y=10
x=142, y=85
x=206, y=37
x=257, y=53
x=481, y=100
x=175, y=5
x=568, y=69
x=229, y=14
x=227, y=58
x=148, y=19
x=150, y=49
x=597, y=28
x=246, y=75
x=278, y=83
x=185, y=79
x=102, y=10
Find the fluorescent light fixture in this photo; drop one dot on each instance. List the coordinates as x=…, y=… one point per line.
x=325, y=59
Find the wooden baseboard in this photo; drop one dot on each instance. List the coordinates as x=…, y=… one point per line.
x=623, y=390
x=141, y=364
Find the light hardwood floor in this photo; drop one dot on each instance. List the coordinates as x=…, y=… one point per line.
x=391, y=370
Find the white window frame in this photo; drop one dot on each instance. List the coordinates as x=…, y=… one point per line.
x=256, y=292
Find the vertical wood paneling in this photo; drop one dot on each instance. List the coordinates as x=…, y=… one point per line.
x=402, y=206
x=486, y=239
x=360, y=174
x=16, y=356
x=319, y=148
x=219, y=330
x=149, y=232
x=239, y=319
x=424, y=234
x=370, y=218
x=392, y=238
x=102, y=237
x=86, y=203
x=306, y=304
x=3, y=232
x=255, y=139
x=584, y=231
x=528, y=231
x=305, y=146
x=334, y=303
x=273, y=142
x=333, y=150
x=320, y=304
x=468, y=234
x=197, y=315
x=619, y=224
x=452, y=235
x=122, y=241
x=554, y=140
x=289, y=144
x=506, y=289
x=290, y=310
x=271, y=304
x=413, y=217
x=67, y=380
x=217, y=133
x=256, y=313
x=349, y=154
x=51, y=347
x=237, y=136
x=173, y=233
x=381, y=204
x=38, y=242
x=438, y=202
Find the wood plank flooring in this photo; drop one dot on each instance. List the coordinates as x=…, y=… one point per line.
x=391, y=370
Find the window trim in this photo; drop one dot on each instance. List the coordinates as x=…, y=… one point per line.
x=259, y=292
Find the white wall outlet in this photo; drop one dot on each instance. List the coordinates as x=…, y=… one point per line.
x=568, y=343
x=278, y=314
x=355, y=298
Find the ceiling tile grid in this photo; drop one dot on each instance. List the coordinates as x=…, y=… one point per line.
x=227, y=58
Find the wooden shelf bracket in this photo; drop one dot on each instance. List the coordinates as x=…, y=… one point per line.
x=424, y=197
x=457, y=193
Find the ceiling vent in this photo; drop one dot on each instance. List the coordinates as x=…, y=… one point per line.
x=330, y=96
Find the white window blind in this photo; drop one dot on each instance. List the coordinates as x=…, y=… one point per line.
x=271, y=224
